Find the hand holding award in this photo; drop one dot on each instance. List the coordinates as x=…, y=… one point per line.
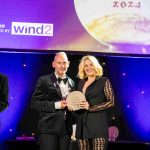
x=74, y=99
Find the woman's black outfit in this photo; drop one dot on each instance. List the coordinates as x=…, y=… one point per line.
x=92, y=124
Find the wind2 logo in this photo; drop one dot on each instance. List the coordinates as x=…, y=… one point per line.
x=32, y=29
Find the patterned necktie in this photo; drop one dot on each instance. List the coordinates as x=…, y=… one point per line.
x=64, y=80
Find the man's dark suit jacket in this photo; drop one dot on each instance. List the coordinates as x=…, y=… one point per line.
x=3, y=92
x=47, y=92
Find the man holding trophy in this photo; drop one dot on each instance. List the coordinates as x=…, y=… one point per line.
x=55, y=123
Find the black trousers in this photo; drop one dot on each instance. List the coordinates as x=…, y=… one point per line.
x=53, y=142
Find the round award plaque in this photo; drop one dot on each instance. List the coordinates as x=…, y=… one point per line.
x=74, y=99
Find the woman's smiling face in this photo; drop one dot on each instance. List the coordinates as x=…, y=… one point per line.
x=89, y=68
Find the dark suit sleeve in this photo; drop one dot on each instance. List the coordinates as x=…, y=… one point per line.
x=4, y=90
x=39, y=99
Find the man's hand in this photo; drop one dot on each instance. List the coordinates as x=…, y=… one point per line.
x=63, y=104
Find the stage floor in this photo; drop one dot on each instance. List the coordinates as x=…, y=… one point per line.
x=118, y=145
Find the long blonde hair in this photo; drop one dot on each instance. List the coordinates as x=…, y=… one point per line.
x=98, y=68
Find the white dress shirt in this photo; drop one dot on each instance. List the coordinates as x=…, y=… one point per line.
x=65, y=89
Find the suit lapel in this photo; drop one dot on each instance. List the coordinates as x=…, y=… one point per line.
x=55, y=84
x=71, y=84
x=81, y=84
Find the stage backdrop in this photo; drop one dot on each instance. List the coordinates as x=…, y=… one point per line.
x=107, y=26
x=130, y=77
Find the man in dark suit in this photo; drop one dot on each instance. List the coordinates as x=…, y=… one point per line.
x=55, y=121
x=3, y=92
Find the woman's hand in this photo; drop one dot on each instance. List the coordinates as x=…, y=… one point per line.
x=84, y=105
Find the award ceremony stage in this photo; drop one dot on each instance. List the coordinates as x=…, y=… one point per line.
x=118, y=145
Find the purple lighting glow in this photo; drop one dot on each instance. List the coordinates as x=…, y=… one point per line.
x=85, y=26
x=24, y=65
x=134, y=102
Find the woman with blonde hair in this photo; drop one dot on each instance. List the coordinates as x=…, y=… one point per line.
x=92, y=124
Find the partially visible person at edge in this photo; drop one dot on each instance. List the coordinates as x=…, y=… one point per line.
x=92, y=124
x=55, y=123
x=4, y=91
x=115, y=124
